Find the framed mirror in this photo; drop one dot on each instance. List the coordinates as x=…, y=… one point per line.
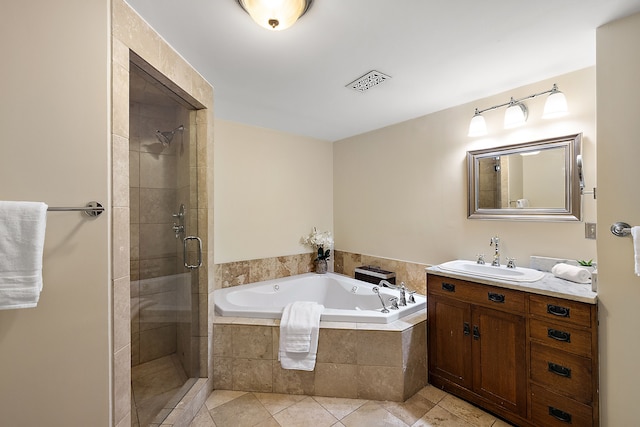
x=534, y=181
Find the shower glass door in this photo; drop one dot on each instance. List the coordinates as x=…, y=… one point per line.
x=164, y=291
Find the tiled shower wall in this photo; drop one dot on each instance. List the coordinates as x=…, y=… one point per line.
x=157, y=178
x=241, y=272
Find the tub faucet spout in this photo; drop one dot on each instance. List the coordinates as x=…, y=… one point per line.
x=386, y=284
x=403, y=291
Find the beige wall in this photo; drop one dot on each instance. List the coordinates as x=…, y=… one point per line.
x=400, y=192
x=54, y=359
x=618, y=62
x=271, y=188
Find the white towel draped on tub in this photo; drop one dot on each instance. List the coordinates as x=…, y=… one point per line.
x=22, y=229
x=299, y=330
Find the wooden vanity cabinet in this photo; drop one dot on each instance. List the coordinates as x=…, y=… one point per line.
x=564, y=362
x=528, y=358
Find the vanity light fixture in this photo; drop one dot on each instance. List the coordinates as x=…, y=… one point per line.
x=517, y=112
x=275, y=15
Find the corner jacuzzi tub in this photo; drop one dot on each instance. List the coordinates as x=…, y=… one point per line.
x=344, y=299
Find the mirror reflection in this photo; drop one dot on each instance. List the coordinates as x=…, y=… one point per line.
x=538, y=180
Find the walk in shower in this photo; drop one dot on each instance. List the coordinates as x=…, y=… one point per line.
x=165, y=249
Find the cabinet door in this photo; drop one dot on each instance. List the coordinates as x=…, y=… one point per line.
x=499, y=358
x=450, y=340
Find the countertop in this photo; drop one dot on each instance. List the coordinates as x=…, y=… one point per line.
x=549, y=285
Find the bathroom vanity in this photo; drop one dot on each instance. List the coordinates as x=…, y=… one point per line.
x=527, y=352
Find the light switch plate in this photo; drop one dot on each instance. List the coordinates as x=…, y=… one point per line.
x=589, y=230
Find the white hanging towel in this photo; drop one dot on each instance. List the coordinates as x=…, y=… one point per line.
x=299, y=330
x=635, y=233
x=22, y=229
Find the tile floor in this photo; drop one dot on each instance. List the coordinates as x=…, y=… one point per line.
x=155, y=386
x=430, y=407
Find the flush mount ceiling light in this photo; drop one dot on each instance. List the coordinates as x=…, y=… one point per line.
x=369, y=80
x=275, y=15
x=517, y=112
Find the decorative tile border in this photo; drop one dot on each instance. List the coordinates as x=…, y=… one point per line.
x=256, y=270
x=412, y=274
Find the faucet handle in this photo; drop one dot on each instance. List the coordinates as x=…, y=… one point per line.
x=410, y=298
x=480, y=259
x=511, y=263
x=394, y=303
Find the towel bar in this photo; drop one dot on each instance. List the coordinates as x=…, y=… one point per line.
x=92, y=209
x=621, y=229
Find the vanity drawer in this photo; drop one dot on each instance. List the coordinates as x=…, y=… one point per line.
x=486, y=295
x=562, y=337
x=565, y=373
x=560, y=310
x=552, y=410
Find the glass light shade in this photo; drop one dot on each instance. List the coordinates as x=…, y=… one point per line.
x=477, y=126
x=274, y=15
x=555, y=105
x=516, y=115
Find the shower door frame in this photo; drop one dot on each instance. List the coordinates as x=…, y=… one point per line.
x=134, y=41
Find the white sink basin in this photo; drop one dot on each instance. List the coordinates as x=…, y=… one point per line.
x=518, y=274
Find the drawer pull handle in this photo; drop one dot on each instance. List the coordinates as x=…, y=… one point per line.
x=476, y=332
x=557, y=310
x=563, y=371
x=560, y=415
x=494, y=297
x=559, y=335
x=466, y=330
x=449, y=287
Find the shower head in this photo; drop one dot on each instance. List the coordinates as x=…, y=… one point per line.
x=166, y=137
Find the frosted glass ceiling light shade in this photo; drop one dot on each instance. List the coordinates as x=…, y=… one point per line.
x=555, y=105
x=275, y=15
x=478, y=126
x=516, y=115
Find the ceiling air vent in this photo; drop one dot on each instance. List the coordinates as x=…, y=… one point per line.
x=369, y=80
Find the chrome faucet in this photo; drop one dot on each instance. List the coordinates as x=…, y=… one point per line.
x=402, y=288
x=495, y=240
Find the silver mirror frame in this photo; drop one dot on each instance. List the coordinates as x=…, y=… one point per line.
x=573, y=182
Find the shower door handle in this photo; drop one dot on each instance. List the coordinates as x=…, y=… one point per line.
x=184, y=252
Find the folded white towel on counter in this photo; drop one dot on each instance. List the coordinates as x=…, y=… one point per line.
x=635, y=233
x=299, y=330
x=572, y=273
x=22, y=230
